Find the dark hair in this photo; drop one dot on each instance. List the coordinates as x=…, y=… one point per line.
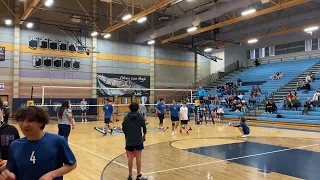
x=243, y=119
x=107, y=100
x=33, y=113
x=134, y=107
x=183, y=102
x=161, y=100
x=64, y=106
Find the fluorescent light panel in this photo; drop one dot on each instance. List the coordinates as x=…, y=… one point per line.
x=8, y=22
x=107, y=35
x=94, y=33
x=311, y=28
x=126, y=17
x=191, y=29
x=29, y=25
x=250, y=11
x=252, y=41
x=208, y=50
x=49, y=2
x=141, y=20
x=151, y=42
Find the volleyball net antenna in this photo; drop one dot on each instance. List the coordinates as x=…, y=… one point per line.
x=51, y=97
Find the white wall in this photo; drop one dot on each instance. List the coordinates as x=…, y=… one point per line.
x=217, y=66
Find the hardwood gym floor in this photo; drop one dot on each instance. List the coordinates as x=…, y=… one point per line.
x=209, y=152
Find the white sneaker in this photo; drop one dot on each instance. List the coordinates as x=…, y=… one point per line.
x=82, y=120
x=244, y=136
x=86, y=120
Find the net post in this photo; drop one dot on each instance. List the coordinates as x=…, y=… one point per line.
x=31, y=98
x=42, y=101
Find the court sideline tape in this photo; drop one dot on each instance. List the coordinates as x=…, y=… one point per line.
x=242, y=157
x=101, y=156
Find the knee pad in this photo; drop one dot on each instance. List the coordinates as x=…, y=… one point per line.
x=173, y=123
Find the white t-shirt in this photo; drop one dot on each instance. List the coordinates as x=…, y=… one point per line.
x=184, y=113
x=83, y=105
x=220, y=111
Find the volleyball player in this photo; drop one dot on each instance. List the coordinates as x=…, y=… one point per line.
x=65, y=120
x=39, y=155
x=174, y=114
x=160, y=110
x=83, y=108
x=108, y=114
x=131, y=127
x=184, y=116
x=243, y=127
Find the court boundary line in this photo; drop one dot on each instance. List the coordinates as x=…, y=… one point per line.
x=110, y=160
x=231, y=159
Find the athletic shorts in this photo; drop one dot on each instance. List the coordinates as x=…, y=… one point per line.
x=184, y=121
x=246, y=132
x=161, y=118
x=107, y=120
x=132, y=148
x=174, y=118
x=83, y=111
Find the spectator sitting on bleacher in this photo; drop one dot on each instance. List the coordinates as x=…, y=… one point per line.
x=295, y=95
x=316, y=96
x=243, y=106
x=252, y=100
x=293, y=103
x=258, y=90
x=274, y=107
x=308, y=105
x=239, y=82
x=240, y=96
x=312, y=76
x=253, y=91
x=228, y=90
x=216, y=100
x=235, y=90
x=308, y=77
x=306, y=87
x=268, y=107
x=299, y=84
x=277, y=76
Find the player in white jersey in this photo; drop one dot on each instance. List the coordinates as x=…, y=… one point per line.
x=184, y=117
x=83, y=108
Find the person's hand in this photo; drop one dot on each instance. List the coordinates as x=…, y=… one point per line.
x=7, y=175
x=47, y=176
x=3, y=164
x=73, y=126
x=144, y=137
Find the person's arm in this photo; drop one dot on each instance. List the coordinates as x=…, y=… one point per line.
x=124, y=127
x=70, y=118
x=144, y=128
x=68, y=159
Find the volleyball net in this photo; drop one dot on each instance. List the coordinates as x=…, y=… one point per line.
x=92, y=99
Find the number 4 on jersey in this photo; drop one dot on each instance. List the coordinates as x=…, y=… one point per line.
x=33, y=157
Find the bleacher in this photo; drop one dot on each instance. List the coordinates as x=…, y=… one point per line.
x=294, y=116
x=261, y=75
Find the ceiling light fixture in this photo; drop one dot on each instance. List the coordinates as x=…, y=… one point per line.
x=141, y=20
x=29, y=25
x=208, y=50
x=106, y=36
x=126, y=17
x=191, y=29
x=151, y=42
x=251, y=41
x=250, y=11
x=311, y=29
x=49, y=2
x=8, y=22
x=95, y=33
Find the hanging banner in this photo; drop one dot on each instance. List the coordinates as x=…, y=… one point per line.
x=134, y=82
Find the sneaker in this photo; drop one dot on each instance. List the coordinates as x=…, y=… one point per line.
x=86, y=120
x=140, y=177
x=111, y=130
x=244, y=136
x=129, y=178
x=82, y=120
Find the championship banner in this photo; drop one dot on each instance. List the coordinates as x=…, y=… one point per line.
x=105, y=81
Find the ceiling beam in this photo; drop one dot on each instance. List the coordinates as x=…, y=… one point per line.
x=10, y=10
x=150, y=10
x=238, y=19
x=279, y=33
x=27, y=13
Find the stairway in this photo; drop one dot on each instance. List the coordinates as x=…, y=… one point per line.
x=281, y=94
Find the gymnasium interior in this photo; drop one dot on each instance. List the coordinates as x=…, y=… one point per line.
x=255, y=59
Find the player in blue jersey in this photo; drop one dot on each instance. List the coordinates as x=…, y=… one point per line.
x=108, y=114
x=174, y=114
x=160, y=110
x=243, y=127
x=39, y=155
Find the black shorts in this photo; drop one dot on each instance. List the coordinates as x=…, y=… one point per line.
x=184, y=121
x=161, y=118
x=174, y=118
x=132, y=148
x=83, y=111
x=107, y=120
